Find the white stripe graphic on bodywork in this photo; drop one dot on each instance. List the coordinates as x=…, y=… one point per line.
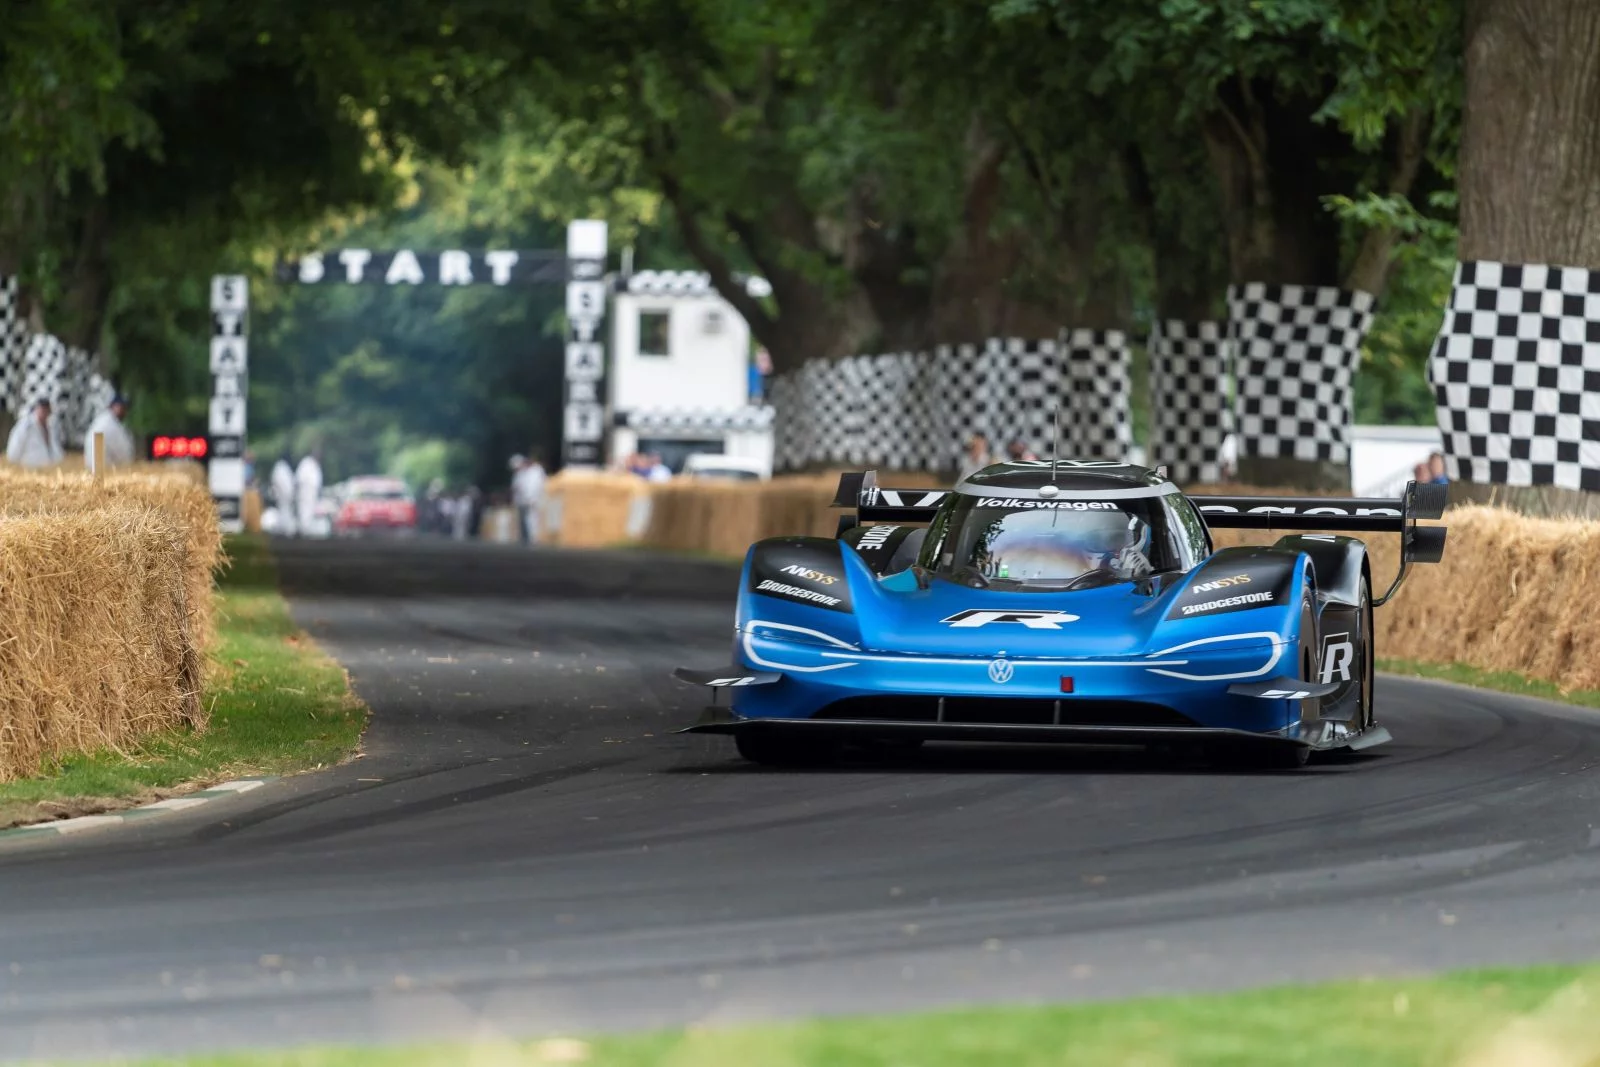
x=749, y=648
x=1277, y=654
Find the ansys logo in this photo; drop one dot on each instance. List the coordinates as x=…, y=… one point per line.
x=810, y=575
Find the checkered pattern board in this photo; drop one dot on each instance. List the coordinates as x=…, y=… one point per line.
x=1095, y=421
x=1516, y=374
x=1298, y=347
x=913, y=411
x=1189, y=410
x=13, y=345
x=676, y=422
x=40, y=365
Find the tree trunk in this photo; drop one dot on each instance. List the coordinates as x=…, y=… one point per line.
x=81, y=313
x=1369, y=272
x=1530, y=133
x=1267, y=157
x=966, y=297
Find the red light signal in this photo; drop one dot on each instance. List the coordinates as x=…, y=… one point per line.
x=168, y=446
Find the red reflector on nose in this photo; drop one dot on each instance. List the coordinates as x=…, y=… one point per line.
x=1066, y=684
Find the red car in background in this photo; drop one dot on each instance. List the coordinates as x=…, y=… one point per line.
x=375, y=504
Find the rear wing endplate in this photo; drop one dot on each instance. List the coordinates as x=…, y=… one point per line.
x=1419, y=544
x=874, y=503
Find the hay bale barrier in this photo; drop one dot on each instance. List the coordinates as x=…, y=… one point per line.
x=108, y=613
x=1511, y=594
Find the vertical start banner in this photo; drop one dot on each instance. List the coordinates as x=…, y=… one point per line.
x=230, y=368
x=583, y=413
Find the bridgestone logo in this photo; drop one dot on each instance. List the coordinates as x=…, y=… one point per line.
x=1228, y=602
x=874, y=538
x=1220, y=583
x=796, y=593
x=1053, y=505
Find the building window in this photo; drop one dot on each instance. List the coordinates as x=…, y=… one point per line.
x=654, y=339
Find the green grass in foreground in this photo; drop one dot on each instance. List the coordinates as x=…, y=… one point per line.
x=1539, y=1017
x=277, y=705
x=1501, y=681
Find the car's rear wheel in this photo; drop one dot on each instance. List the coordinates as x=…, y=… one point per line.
x=771, y=749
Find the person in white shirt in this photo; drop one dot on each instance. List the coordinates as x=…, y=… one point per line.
x=34, y=442
x=308, y=490
x=283, y=495
x=658, y=471
x=108, y=424
x=527, y=493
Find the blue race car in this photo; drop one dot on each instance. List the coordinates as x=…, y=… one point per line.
x=1074, y=601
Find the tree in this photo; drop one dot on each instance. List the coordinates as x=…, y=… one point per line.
x=1530, y=135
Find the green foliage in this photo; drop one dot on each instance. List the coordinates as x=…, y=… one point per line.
x=903, y=172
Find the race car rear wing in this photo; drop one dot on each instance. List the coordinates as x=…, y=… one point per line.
x=1419, y=544
x=874, y=503
x=1371, y=514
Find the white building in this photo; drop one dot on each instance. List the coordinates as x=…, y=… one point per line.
x=678, y=380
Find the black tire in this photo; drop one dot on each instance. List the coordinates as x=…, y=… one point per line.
x=780, y=750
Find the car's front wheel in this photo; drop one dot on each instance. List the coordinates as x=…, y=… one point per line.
x=780, y=750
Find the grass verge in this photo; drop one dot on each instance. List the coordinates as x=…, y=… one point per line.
x=1500, y=681
x=1535, y=1016
x=277, y=705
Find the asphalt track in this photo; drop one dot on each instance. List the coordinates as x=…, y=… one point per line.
x=527, y=848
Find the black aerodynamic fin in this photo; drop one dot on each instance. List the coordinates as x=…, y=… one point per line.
x=874, y=503
x=1284, y=688
x=725, y=677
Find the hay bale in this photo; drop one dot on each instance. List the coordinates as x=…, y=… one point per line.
x=592, y=507
x=96, y=640
x=170, y=490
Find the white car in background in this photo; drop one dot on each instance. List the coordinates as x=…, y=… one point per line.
x=713, y=466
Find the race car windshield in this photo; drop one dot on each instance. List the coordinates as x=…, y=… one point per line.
x=1059, y=544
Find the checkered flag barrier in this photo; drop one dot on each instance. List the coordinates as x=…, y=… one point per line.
x=1095, y=416
x=35, y=366
x=648, y=421
x=1516, y=375
x=789, y=445
x=962, y=388
x=1298, y=347
x=43, y=364
x=913, y=411
x=1189, y=411
x=13, y=345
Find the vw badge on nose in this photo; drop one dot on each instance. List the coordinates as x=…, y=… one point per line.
x=1000, y=671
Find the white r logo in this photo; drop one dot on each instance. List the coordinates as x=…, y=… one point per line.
x=1338, y=654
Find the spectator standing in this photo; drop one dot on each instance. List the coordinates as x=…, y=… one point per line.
x=977, y=455
x=307, y=491
x=655, y=470
x=108, y=424
x=527, y=493
x=34, y=442
x=283, y=495
x=1436, y=470
x=1019, y=452
x=1228, y=457
x=760, y=367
